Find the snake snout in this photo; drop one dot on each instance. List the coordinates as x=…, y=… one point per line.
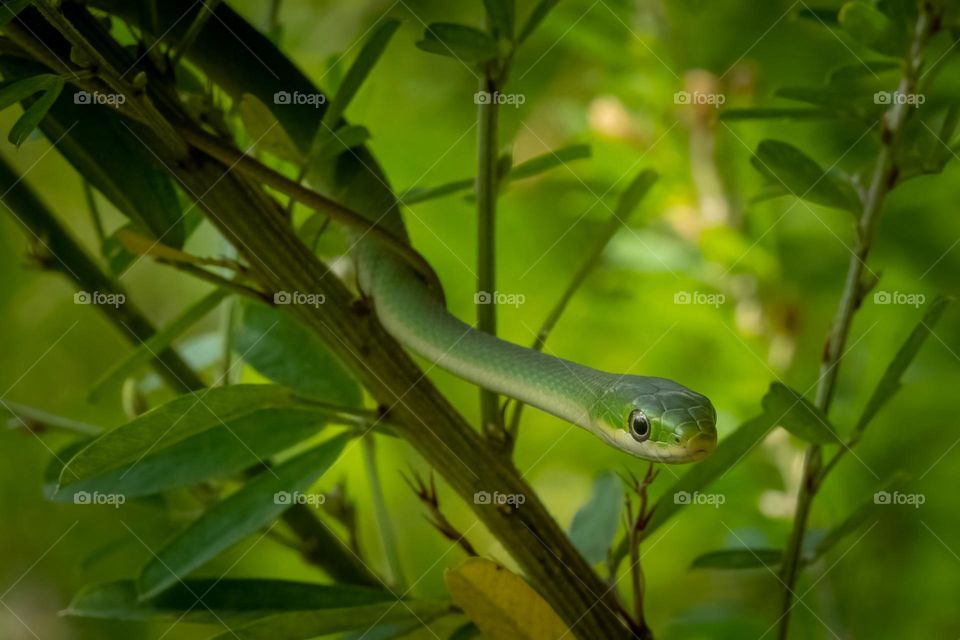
x=702, y=444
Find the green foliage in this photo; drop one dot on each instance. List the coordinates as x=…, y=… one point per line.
x=785, y=165
x=459, y=41
x=257, y=504
x=596, y=522
x=785, y=407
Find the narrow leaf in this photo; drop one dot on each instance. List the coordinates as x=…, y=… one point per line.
x=37, y=110
x=890, y=382
x=241, y=514
x=858, y=518
x=785, y=407
x=162, y=339
x=415, y=195
x=304, y=625
x=635, y=192
x=267, y=133
x=739, y=559
x=784, y=164
x=733, y=449
x=233, y=600
x=500, y=14
x=596, y=522
x=732, y=115
x=501, y=603
x=174, y=422
x=280, y=348
x=550, y=160
x=536, y=17
x=11, y=8
x=343, y=139
x=459, y=41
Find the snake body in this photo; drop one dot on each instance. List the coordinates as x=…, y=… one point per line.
x=652, y=418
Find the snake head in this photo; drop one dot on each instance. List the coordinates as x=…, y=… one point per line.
x=656, y=419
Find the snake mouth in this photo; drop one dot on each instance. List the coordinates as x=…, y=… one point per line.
x=702, y=445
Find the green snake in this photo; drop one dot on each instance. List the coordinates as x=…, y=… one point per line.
x=652, y=418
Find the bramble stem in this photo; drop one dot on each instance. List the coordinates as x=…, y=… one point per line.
x=883, y=180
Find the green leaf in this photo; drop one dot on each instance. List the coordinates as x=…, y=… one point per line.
x=459, y=41
x=370, y=53
x=48, y=85
x=785, y=164
x=162, y=339
x=861, y=69
x=635, y=192
x=304, y=625
x=739, y=559
x=280, y=348
x=349, y=136
x=11, y=8
x=536, y=17
x=500, y=14
x=785, y=407
x=242, y=514
x=869, y=26
x=842, y=101
x=233, y=600
x=891, y=381
x=550, y=160
x=175, y=421
x=501, y=603
x=219, y=452
x=267, y=133
x=596, y=522
x=733, y=449
x=415, y=195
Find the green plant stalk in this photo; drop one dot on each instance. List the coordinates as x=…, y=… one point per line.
x=883, y=180
x=487, y=191
x=388, y=536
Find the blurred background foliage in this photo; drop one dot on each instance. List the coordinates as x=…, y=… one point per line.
x=603, y=73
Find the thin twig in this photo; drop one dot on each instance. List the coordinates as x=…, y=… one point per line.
x=428, y=496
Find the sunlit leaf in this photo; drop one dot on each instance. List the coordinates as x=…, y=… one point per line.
x=501, y=603
x=785, y=407
x=267, y=133
x=459, y=41
x=596, y=522
x=241, y=514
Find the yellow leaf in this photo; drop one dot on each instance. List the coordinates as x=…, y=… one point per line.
x=502, y=604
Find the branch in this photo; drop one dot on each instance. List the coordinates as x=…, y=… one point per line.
x=883, y=180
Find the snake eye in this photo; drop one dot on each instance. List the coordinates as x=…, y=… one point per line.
x=639, y=425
